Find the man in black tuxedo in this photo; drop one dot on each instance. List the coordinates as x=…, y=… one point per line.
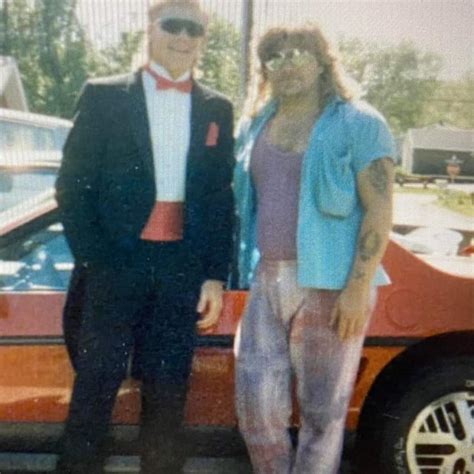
x=145, y=196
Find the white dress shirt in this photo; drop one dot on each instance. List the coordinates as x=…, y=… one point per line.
x=169, y=116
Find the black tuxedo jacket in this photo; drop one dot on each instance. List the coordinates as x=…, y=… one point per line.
x=106, y=185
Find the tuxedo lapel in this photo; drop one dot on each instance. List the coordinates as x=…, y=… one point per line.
x=198, y=119
x=198, y=129
x=141, y=127
x=139, y=120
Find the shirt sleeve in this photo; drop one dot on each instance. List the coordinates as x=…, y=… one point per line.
x=371, y=139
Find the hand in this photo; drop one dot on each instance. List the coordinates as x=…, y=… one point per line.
x=350, y=312
x=210, y=303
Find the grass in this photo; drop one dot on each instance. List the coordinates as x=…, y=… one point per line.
x=456, y=201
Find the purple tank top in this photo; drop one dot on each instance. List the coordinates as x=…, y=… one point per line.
x=276, y=177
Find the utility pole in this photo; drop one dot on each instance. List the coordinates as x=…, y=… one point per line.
x=245, y=40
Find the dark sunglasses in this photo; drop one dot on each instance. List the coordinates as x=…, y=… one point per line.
x=175, y=26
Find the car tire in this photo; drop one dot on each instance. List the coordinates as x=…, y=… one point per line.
x=421, y=423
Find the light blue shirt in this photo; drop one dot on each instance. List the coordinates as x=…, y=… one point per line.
x=346, y=138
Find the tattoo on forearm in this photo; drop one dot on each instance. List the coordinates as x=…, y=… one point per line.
x=378, y=177
x=369, y=245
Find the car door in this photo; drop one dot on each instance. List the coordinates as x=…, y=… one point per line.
x=35, y=376
x=35, y=373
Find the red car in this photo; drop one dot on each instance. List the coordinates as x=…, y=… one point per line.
x=413, y=403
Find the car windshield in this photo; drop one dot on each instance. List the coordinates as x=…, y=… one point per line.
x=39, y=262
x=443, y=249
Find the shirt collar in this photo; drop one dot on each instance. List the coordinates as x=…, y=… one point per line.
x=163, y=72
x=334, y=100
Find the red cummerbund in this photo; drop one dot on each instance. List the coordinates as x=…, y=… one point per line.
x=165, y=223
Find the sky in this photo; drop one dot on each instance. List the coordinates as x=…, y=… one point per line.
x=441, y=26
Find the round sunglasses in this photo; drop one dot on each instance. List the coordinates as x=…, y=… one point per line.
x=175, y=26
x=297, y=57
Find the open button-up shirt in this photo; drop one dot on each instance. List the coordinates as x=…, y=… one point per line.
x=345, y=139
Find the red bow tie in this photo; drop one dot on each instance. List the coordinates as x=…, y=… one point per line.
x=162, y=83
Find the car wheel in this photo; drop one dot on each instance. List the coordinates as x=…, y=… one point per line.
x=423, y=425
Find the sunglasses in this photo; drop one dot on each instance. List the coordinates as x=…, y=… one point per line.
x=175, y=26
x=297, y=57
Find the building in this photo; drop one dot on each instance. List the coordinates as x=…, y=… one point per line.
x=12, y=93
x=426, y=150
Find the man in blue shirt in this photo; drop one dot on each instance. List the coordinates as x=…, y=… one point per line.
x=313, y=190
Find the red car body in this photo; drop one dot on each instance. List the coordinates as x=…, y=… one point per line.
x=421, y=307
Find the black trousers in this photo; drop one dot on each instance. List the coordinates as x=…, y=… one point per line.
x=148, y=308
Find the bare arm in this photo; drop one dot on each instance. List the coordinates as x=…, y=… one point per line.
x=374, y=185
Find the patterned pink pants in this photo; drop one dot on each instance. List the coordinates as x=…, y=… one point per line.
x=284, y=333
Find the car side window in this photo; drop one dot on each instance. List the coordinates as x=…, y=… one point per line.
x=24, y=137
x=41, y=261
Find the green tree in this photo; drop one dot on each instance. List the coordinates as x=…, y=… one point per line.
x=398, y=80
x=117, y=58
x=452, y=104
x=220, y=64
x=53, y=54
x=55, y=57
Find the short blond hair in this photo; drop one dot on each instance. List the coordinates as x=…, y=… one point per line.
x=157, y=7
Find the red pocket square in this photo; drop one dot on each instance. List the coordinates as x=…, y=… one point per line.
x=212, y=134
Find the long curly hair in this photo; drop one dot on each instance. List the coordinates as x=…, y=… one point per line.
x=332, y=80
